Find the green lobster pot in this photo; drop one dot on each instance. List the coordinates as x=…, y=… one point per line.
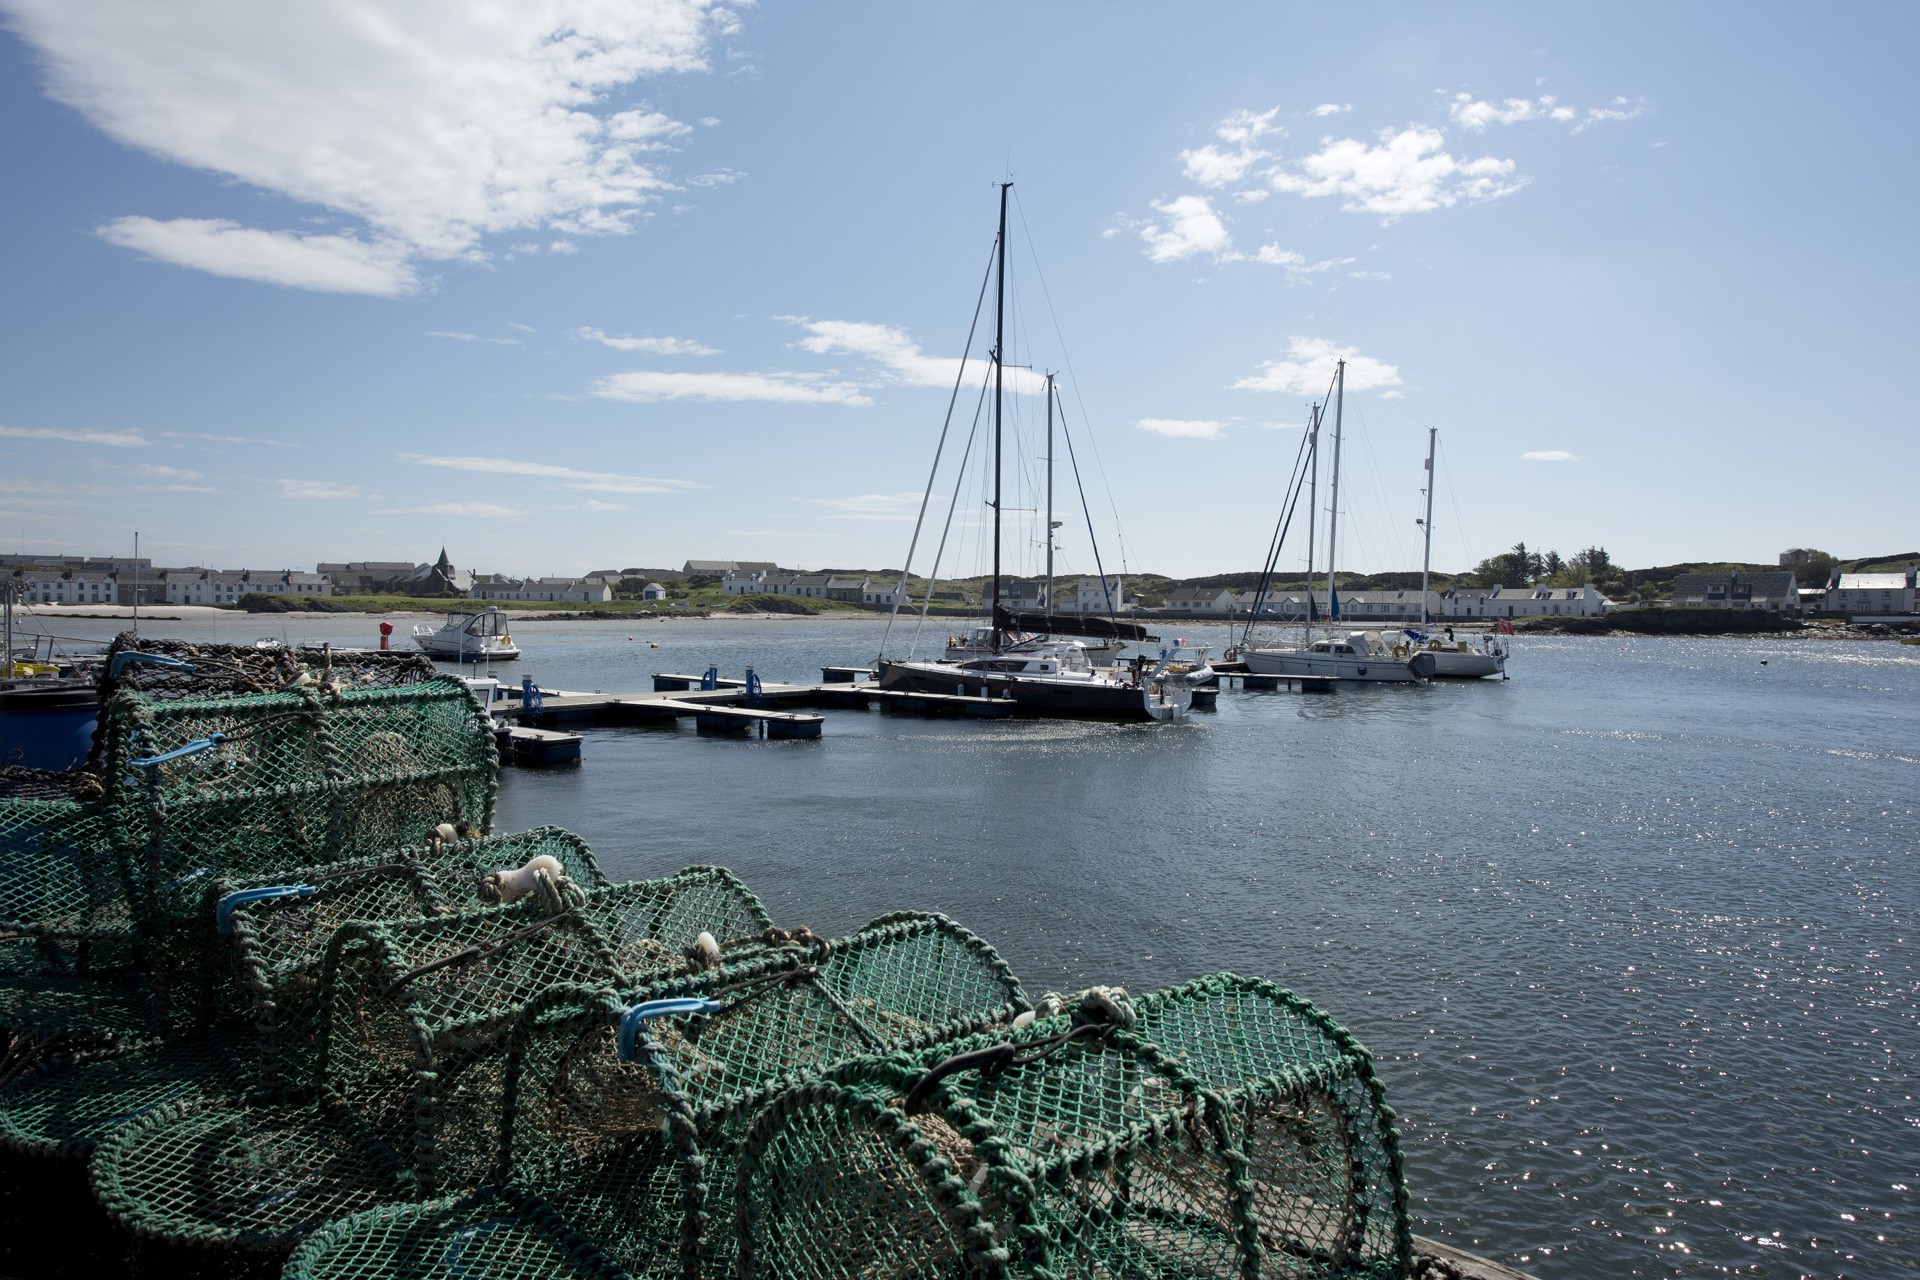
x=411, y=1020
x=624, y=1114
x=1230, y=1132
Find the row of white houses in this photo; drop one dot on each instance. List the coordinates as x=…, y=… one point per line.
x=813, y=586
x=173, y=586
x=1397, y=605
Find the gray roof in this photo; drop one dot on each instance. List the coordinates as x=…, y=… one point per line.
x=1698, y=586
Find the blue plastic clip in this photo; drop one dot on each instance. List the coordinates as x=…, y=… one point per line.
x=711, y=680
x=120, y=660
x=192, y=748
x=753, y=686
x=223, y=910
x=627, y=1044
x=532, y=700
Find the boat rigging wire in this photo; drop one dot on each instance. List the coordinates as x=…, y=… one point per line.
x=1309, y=440
x=1099, y=461
x=958, y=378
x=953, y=506
x=1105, y=589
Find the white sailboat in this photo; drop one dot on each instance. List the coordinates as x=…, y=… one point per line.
x=1041, y=671
x=1452, y=659
x=1357, y=655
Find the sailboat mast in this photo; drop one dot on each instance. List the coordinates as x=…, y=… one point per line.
x=1313, y=507
x=999, y=364
x=1049, y=605
x=1426, y=558
x=1333, y=508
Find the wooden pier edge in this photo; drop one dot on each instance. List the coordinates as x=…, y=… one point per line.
x=1458, y=1263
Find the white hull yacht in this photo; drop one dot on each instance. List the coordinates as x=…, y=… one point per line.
x=1358, y=655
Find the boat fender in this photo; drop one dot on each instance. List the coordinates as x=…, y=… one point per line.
x=511, y=885
x=705, y=951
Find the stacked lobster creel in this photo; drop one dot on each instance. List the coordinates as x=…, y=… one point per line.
x=401, y=1095
x=1224, y=1128
x=246, y=1020
x=625, y=1113
x=190, y=780
x=104, y=887
x=67, y=933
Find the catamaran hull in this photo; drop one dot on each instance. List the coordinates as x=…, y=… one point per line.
x=1093, y=698
x=1366, y=669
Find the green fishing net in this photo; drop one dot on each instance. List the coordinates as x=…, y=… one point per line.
x=103, y=872
x=251, y=783
x=67, y=935
x=1232, y=1131
x=623, y=1114
x=406, y=1093
x=254, y=978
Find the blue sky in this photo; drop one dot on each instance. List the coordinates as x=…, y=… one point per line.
x=587, y=285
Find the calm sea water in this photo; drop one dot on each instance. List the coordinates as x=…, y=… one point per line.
x=1631, y=935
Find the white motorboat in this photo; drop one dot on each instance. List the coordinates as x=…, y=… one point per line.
x=468, y=636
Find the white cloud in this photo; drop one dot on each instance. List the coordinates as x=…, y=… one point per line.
x=1475, y=115
x=480, y=510
x=156, y=472
x=594, y=504
x=645, y=386
x=1183, y=428
x=1408, y=172
x=78, y=435
x=1211, y=166
x=1308, y=370
x=1247, y=126
x=1296, y=264
x=317, y=490
x=899, y=358
x=570, y=478
x=524, y=328
x=211, y=438
x=872, y=506
x=1549, y=455
x=1331, y=109
x=1620, y=109
x=1470, y=113
x=1192, y=228
x=326, y=264
x=652, y=346
x=433, y=125
x=471, y=337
